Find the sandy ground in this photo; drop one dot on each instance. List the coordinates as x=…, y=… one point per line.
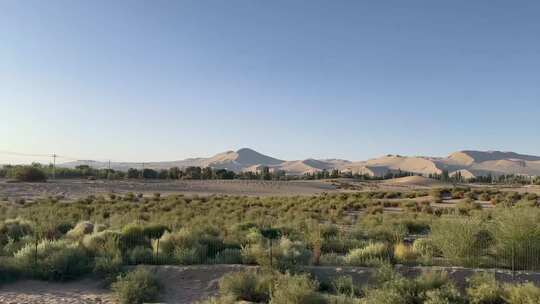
x=180, y=284
x=188, y=284
x=76, y=188
x=38, y=292
x=80, y=188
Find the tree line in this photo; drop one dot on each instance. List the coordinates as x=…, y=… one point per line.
x=41, y=172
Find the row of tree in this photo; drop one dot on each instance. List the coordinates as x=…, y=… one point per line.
x=510, y=179
x=264, y=173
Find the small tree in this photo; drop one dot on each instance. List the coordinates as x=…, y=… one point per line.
x=28, y=174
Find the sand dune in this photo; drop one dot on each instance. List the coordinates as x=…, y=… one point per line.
x=468, y=163
x=414, y=181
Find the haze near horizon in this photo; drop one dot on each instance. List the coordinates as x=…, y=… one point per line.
x=130, y=81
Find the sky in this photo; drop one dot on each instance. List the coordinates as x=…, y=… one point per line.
x=166, y=80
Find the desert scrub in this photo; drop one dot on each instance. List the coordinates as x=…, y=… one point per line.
x=484, y=289
x=517, y=237
x=462, y=241
x=8, y=270
x=527, y=293
x=81, y=229
x=53, y=260
x=370, y=255
x=404, y=253
x=136, y=287
x=424, y=248
x=14, y=230
x=429, y=287
x=28, y=174
x=298, y=289
x=251, y=286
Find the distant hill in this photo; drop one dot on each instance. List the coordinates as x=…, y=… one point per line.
x=468, y=163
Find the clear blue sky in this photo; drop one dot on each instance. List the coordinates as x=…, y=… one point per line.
x=165, y=80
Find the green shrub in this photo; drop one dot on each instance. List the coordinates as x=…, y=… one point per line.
x=132, y=236
x=517, y=237
x=290, y=254
x=81, y=229
x=140, y=255
x=447, y=294
x=484, y=289
x=190, y=246
x=155, y=231
x=424, y=247
x=12, y=246
x=229, y=256
x=429, y=287
x=383, y=296
x=526, y=293
x=344, y=285
x=461, y=241
x=104, y=243
x=14, y=229
x=53, y=260
x=8, y=270
x=332, y=259
x=107, y=268
x=404, y=253
x=370, y=255
x=136, y=287
x=298, y=289
x=246, y=286
x=28, y=174
x=341, y=299
x=189, y=256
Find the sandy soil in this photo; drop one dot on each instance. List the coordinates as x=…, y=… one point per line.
x=80, y=188
x=188, y=284
x=38, y=292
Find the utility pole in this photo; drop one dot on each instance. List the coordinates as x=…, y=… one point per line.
x=142, y=171
x=54, y=166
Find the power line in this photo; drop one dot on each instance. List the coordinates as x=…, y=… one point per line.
x=23, y=154
x=54, y=155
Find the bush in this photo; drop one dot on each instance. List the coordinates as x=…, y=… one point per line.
x=298, y=289
x=246, y=286
x=344, y=285
x=484, y=289
x=107, y=268
x=424, y=247
x=229, y=256
x=8, y=270
x=447, y=294
x=526, y=293
x=404, y=253
x=155, y=231
x=190, y=246
x=53, y=260
x=81, y=229
x=14, y=230
x=132, y=236
x=331, y=259
x=104, y=243
x=28, y=174
x=136, y=287
x=429, y=287
x=517, y=237
x=370, y=255
x=461, y=241
x=140, y=255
